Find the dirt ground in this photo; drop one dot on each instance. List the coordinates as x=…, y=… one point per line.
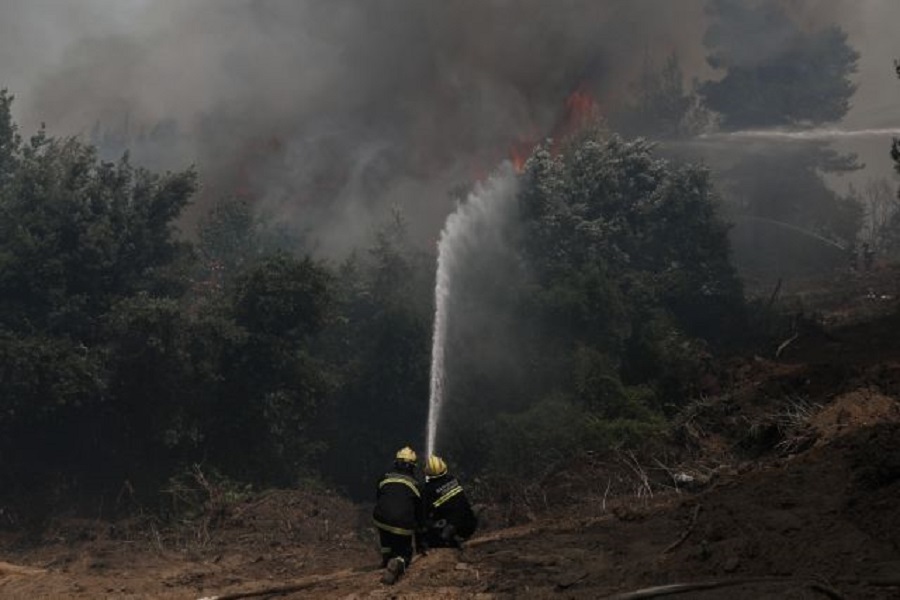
x=783, y=484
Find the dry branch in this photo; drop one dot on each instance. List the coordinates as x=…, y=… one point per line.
x=687, y=531
x=785, y=344
x=644, y=489
x=11, y=569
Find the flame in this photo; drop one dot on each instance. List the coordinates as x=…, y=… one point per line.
x=519, y=153
x=581, y=109
x=580, y=105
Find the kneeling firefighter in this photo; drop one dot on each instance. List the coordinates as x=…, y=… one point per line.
x=398, y=514
x=449, y=518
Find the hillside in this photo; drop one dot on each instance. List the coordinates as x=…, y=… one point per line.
x=782, y=483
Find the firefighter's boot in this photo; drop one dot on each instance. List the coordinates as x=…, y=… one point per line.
x=395, y=568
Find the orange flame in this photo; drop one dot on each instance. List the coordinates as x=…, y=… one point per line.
x=581, y=109
x=519, y=153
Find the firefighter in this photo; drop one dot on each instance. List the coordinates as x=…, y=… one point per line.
x=449, y=517
x=398, y=514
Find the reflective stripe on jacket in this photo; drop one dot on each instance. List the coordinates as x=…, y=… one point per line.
x=398, y=504
x=445, y=500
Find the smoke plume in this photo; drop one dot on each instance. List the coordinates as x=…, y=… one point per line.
x=326, y=112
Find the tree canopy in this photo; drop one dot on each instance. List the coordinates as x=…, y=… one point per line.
x=775, y=71
x=625, y=282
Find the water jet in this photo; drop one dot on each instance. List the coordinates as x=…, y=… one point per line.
x=483, y=210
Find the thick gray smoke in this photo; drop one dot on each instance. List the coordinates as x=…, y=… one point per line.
x=326, y=112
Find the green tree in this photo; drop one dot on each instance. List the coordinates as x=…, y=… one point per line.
x=626, y=283
x=380, y=344
x=662, y=107
x=76, y=233
x=608, y=204
x=10, y=142
x=228, y=240
x=78, y=236
x=776, y=73
x=274, y=382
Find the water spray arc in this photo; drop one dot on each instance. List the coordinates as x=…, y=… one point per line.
x=790, y=227
x=484, y=208
x=802, y=135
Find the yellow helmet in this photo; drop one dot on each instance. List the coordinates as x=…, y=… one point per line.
x=406, y=454
x=435, y=466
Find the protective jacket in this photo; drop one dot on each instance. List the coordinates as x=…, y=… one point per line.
x=445, y=500
x=398, y=504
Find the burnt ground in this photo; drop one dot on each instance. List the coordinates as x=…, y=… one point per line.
x=782, y=482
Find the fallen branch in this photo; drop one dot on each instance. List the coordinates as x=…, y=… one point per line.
x=785, y=344
x=687, y=531
x=606, y=493
x=11, y=569
x=680, y=588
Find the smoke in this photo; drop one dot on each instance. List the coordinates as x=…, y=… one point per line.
x=327, y=112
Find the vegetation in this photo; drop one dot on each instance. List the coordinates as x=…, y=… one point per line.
x=776, y=72
x=130, y=356
x=628, y=282
x=794, y=194
x=662, y=106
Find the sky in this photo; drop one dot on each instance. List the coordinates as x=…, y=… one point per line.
x=327, y=112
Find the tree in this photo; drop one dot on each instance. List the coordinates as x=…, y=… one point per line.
x=380, y=346
x=662, y=108
x=608, y=204
x=626, y=281
x=76, y=233
x=791, y=220
x=274, y=384
x=881, y=214
x=228, y=240
x=776, y=73
x=10, y=142
x=78, y=238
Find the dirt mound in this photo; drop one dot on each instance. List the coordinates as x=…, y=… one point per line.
x=852, y=411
